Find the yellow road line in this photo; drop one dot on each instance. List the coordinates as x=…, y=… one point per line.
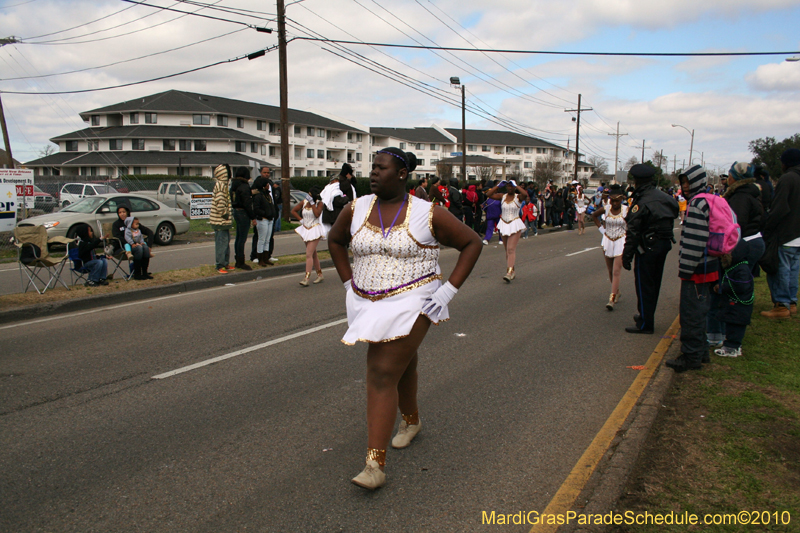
x=565, y=498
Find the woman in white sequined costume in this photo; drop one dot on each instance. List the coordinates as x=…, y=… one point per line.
x=311, y=229
x=613, y=228
x=510, y=225
x=394, y=293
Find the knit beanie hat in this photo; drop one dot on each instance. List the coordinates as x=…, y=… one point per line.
x=791, y=157
x=740, y=171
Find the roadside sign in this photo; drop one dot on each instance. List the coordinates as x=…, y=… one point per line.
x=456, y=154
x=200, y=205
x=22, y=178
x=8, y=207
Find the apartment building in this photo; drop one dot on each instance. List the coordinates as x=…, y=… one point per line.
x=183, y=133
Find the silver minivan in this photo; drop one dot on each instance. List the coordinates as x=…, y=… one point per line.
x=72, y=192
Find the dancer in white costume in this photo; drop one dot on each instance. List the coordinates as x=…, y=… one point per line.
x=510, y=225
x=613, y=229
x=394, y=293
x=312, y=231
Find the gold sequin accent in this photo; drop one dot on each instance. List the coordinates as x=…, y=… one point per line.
x=430, y=219
x=413, y=286
x=393, y=338
x=379, y=456
x=412, y=419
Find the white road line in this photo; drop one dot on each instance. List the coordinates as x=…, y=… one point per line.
x=151, y=300
x=248, y=350
x=582, y=251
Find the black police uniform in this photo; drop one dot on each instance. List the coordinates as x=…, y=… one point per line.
x=648, y=240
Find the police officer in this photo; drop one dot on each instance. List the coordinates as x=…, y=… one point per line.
x=648, y=241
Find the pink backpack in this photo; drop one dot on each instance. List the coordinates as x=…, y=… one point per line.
x=723, y=230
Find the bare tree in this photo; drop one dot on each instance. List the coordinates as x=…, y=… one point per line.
x=600, y=165
x=483, y=172
x=444, y=171
x=630, y=162
x=659, y=160
x=547, y=169
x=46, y=150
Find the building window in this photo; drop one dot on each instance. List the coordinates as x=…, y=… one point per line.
x=320, y=132
x=402, y=146
x=421, y=162
x=253, y=148
x=185, y=145
x=169, y=144
x=241, y=146
x=528, y=164
x=222, y=120
x=485, y=148
x=137, y=144
x=115, y=144
x=201, y=120
x=261, y=125
x=239, y=122
x=419, y=146
x=274, y=152
x=358, y=174
x=274, y=129
x=310, y=153
x=134, y=118
x=72, y=146
x=358, y=156
x=349, y=137
x=95, y=120
x=320, y=173
x=540, y=150
x=472, y=148
x=298, y=153
x=298, y=131
x=528, y=150
x=122, y=171
x=263, y=149
x=139, y=171
x=310, y=173
x=199, y=146
x=434, y=147
x=151, y=118
x=310, y=131
x=320, y=154
x=94, y=146
x=358, y=137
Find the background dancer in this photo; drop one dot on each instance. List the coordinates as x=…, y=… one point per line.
x=510, y=225
x=613, y=229
x=580, y=209
x=312, y=231
x=394, y=293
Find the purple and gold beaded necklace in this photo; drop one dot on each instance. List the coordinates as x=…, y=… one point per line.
x=385, y=232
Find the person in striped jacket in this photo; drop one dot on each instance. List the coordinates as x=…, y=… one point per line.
x=221, y=217
x=698, y=271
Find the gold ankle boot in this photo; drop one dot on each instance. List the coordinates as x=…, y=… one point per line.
x=304, y=283
x=611, y=302
x=319, y=279
x=510, y=274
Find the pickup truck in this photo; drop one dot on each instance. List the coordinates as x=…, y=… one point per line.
x=175, y=194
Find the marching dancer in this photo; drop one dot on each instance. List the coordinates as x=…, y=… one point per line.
x=510, y=225
x=580, y=208
x=394, y=293
x=312, y=231
x=613, y=229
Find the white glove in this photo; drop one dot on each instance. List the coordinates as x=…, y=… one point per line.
x=602, y=230
x=439, y=299
x=348, y=285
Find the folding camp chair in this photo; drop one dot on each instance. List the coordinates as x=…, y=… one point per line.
x=77, y=270
x=115, y=252
x=34, y=258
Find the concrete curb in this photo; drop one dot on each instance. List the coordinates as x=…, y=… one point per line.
x=609, y=479
x=101, y=300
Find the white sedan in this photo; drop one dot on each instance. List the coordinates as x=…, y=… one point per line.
x=165, y=221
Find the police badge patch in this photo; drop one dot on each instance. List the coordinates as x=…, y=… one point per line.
x=635, y=209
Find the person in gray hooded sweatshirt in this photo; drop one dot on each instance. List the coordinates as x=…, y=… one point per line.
x=139, y=248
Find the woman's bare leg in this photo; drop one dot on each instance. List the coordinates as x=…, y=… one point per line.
x=511, y=242
x=616, y=273
x=610, y=267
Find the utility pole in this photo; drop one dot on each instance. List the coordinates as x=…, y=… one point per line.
x=284, y=89
x=464, y=136
x=577, y=132
x=674, y=163
x=5, y=136
x=643, y=147
x=616, y=152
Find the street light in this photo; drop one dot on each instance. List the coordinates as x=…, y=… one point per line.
x=456, y=82
x=691, y=146
x=793, y=59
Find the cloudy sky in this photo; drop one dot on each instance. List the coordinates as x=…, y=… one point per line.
x=727, y=101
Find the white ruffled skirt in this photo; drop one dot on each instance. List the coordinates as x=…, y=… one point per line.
x=390, y=318
x=613, y=248
x=510, y=228
x=317, y=232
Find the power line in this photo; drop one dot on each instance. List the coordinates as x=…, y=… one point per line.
x=125, y=60
x=79, y=25
x=233, y=10
x=552, y=52
x=233, y=60
x=15, y=5
x=194, y=13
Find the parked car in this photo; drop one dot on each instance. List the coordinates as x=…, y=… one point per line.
x=72, y=192
x=175, y=194
x=96, y=210
x=43, y=201
x=295, y=197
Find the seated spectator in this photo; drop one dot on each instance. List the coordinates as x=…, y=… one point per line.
x=97, y=265
x=138, y=247
x=118, y=228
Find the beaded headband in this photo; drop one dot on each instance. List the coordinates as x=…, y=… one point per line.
x=405, y=164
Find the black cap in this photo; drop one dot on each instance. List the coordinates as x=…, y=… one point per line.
x=642, y=171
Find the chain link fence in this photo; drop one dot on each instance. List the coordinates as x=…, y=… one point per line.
x=53, y=193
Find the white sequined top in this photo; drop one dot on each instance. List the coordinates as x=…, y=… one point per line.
x=615, y=224
x=510, y=210
x=406, y=259
x=309, y=220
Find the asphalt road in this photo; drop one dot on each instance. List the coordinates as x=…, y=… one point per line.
x=170, y=257
x=512, y=391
